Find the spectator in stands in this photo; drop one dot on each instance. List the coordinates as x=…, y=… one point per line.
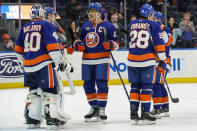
x=187, y=27
x=183, y=4
x=6, y=44
x=104, y=14
x=73, y=31
x=118, y=26
x=175, y=31
x=73, y=9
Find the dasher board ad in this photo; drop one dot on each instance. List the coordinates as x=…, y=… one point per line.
x=184, y=65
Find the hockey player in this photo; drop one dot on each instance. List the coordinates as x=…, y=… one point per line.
x=95, y=60
x=37, y=49
x=50, y=16
x=145, y=41
x=160, y=95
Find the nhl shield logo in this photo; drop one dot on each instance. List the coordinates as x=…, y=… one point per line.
x=92, y=39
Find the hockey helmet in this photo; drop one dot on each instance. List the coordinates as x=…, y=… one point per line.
x=37, y=11
x=95, y=6
x=146, y=10
x=49, y=10
x=158, y=15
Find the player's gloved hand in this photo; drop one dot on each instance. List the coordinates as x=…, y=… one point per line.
x=109, y=45
x=79, y=45
x=70, y=49
x=161, y=66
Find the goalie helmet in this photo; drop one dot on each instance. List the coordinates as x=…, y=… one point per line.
x=158, y=15
x=49, y=10
x=37, y=11
x=95, y=6
x=146, y=10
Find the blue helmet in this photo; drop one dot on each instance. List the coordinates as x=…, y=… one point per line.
x=158, y=15
x=146, y=10
x=37, y=11
x=49, y=10
x=95, y=6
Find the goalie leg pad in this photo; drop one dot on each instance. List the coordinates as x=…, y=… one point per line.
x=52, y=112
x=36, y=106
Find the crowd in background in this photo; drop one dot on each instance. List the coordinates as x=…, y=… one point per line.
x=73, y=14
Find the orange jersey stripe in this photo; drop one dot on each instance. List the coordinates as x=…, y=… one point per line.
x=160, y=48
x=102, y=96
x=141, y=57
x=162, y=27
x=95, y=55
x=145, y=97
x=19, y=49
x=134, y=96
x=162, y=79
x=170, y=40
x=61, y=30
x=53, y=46
x=91, y=96
x=37, y=60
x=108, y=71
x=154, y=75
x=50, y=76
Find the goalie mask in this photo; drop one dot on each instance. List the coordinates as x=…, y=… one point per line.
x=37, y=12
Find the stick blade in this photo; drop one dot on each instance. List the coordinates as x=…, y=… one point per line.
x=175, y=100
x=72, y=92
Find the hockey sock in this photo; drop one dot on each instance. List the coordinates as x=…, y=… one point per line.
x=157, y=96
x=146, y=95
x=90, y=91
x=135, y=95
x=102, y=92
x=165, y=99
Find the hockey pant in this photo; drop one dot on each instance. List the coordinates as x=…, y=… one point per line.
x=44, y=78
x=142, y=79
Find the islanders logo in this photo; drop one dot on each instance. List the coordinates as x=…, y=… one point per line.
x=92, y=39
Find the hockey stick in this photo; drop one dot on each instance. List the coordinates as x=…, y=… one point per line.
x=174, y=100
x=60, y=91
x=114, y=61
x=72, y=88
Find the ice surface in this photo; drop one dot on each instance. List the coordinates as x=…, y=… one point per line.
x=183, y=115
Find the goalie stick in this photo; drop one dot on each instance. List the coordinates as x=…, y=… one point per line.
x=72, y=88
x=174, y=100
x=114, y=61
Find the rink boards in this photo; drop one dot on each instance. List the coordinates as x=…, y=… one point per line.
x=183, y=68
